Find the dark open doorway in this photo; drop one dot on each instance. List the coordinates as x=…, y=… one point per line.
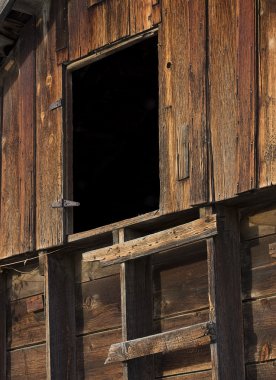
x=115, y=137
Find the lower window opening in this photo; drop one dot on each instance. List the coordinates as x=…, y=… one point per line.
x=115, y=137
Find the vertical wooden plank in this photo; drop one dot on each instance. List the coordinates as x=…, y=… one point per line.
x=197, y=102
x=267, y=93
x=17, y=184
x=246, y=94
x=136, y=301
x=224, y=272
x=232, y=95
x=182, y=57
x=91, y=27
x=144, y=14
x=60, y=317
x=222, y=91
x=3, y=339
x=49, y=136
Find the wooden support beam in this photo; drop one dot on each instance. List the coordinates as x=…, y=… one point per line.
x=225, y=298
x=60, y=317
x=195, y=336
x=136, y=303
x=3, y=338
x=161, y=241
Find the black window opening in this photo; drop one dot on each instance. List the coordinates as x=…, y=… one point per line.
x=115, y=137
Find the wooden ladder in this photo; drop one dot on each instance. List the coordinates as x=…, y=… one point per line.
x=224, y=329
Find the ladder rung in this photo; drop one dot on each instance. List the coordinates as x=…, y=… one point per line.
x=194, y=336
x=188, y=233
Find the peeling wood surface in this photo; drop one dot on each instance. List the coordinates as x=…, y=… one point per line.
x=161, y=241
x=186, y=337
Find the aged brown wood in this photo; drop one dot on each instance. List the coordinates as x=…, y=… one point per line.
x=143, y=15
x=17, y=175
x=182, y=81
x=27, y=362
x=232, y=93
x=264, y=371
x=187, y=337
x=3, y=329
x=136, y=301
x=225, y=298
x=60, y=317
x=49, y=133
x=161, y=241
x=93, y=27
x=246, y=94
x=267, y=93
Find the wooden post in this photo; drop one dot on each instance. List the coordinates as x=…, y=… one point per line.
x=3, y=340
x=225, y=298
x=60, y=317
x=136, y=299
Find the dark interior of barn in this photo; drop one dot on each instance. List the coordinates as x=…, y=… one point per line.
x=115, y=137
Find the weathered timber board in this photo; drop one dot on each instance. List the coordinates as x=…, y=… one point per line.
x=97, y=26
x=185, y=234
x=182, y=81
x=187, y=337
x=17, y=147
x=143, y=15
x=267, y=93
x=27, y=363
x=232, y=95
x=98, y=305
x=49, y=133
x=23, y=327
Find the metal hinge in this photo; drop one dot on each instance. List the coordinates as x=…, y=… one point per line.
x=56, y=104
x=62, y=203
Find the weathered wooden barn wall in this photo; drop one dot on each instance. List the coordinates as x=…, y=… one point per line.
x=216, y=75
x=211, y=71
x=180, y=299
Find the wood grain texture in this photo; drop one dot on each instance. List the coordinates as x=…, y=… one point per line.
x=188, y=233
x=23, y=327
x=267, y=93
x=3, y=329
x=60, y=317
x=186, y=337
x=98, y=305
x=182, y=81
x=17, y=175
x=93, y=27
x=225, y=298
x=137, y=317
x=143, y=15
x=49, y=133
x=246, y=94
x=232, y=95
x=263, y=371
x=27, y=363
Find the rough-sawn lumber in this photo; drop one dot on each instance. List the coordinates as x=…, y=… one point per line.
x=161, y=241
x=184, y=338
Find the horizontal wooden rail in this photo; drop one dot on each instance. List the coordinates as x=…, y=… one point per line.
x=188, y=233
x=191, y=337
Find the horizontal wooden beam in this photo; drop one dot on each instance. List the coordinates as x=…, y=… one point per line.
x=195, y=336
x=158, y=242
